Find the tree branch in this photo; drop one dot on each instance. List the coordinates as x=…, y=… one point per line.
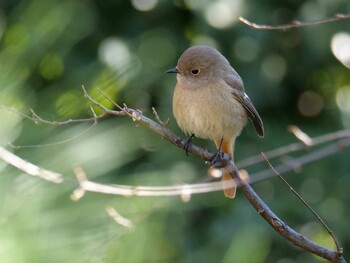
x=330, y=232
x=185, y=191
x=294, y=24
x=29, y=168
x=281, y=227
x=294, y=147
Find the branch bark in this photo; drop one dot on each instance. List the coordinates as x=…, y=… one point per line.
x=281, y=227
x=263, y=210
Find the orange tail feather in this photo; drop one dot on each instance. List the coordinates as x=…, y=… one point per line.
x=228, y=183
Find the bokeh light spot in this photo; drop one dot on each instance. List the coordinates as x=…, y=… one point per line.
x=324, y=239
x=193, y=4
x=156, y=49
x=312, y=190
x=51, y=66
x=222, y=14
x=333, y=208
x=274, y=68
x=343, y=102
x=343, y=98
x=310, y=103
x=16, y=36
x=144, y=5
x=312, y=10
x=340, y=45
x=246, y=49
x=67, y=104
x=204, y=40
x=115, y=53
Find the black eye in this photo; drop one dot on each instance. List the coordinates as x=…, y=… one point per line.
x=195, y=71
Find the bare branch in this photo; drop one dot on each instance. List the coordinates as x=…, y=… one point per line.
x=295, y=24
x=164, y=123
x=257, y=203
x=179, y=190
x=29, y=168
x=297, y=163
x=302, y=136
x=294, y=147
x=119, y=218
x=330, y=232
x=281, y=227
x=185, y=191
x=37, y=119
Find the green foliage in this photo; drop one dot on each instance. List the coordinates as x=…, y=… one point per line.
x=49, y=49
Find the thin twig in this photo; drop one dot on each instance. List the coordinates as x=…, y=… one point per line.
x=294, y=24
x=107, y=111
x=296, y=163
x=39, y=120
x=300, y=135
x=330, y=232
x=294, y=147
x=121, y=220
x=164, y=123
x=54, y=143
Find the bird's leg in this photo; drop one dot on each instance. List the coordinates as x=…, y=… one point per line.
x=188, y=143
x=219, y=159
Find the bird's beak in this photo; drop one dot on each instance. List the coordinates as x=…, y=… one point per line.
x=172, y=70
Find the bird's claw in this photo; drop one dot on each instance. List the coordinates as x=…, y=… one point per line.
x=188, y=143
x=220, y=159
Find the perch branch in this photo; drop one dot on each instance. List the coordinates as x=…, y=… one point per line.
x=281, y=227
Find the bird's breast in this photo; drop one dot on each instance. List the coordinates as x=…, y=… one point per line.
x=208, y=112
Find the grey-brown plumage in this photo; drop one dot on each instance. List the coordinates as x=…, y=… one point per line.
x=209, y=100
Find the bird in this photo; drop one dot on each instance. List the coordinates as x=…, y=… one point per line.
x=210, y=102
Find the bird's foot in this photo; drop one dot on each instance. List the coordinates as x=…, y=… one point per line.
x=188, y=143
x=220, y=159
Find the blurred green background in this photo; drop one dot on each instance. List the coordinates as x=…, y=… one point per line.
x=49, y=49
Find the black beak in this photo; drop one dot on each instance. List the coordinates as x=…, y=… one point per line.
x=172, y=70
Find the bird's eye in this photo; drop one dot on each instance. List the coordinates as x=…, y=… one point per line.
x=195, y=71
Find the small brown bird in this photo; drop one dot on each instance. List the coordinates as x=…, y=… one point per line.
x=209, y=102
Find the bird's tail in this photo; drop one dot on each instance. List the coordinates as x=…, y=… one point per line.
x=229, y=184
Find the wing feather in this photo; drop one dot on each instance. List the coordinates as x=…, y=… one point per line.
x=253, y=114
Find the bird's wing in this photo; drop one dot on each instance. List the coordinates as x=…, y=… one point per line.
x=250, y=109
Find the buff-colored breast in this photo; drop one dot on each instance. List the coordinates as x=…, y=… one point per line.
x=207, y=113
